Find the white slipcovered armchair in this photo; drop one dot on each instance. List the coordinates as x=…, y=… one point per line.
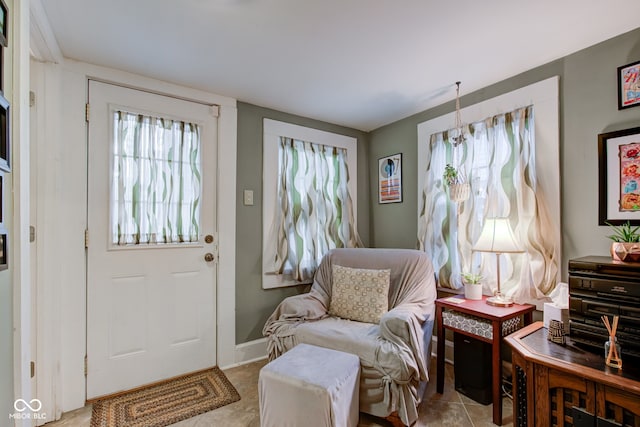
x=394, y=353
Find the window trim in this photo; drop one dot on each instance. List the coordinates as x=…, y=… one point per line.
x=272, y=131
x=544, y=96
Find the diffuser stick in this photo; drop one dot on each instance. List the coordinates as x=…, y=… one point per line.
x=613, y=357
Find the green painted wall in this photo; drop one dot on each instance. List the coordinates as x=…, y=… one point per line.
x=254, y=304
x=588, y=106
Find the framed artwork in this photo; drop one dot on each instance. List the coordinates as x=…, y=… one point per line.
x=4, y=263
x=2, y=226
x=629, y=85
x=3, y=229
x=390, y=179
x=619, y=173
x=4, y=135
x=4, y=22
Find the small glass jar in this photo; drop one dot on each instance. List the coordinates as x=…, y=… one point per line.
x=614, y=362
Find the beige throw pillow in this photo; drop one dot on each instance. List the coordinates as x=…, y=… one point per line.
x=359, y=294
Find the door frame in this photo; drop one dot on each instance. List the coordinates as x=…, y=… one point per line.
x=147, y=275
x=64, y=274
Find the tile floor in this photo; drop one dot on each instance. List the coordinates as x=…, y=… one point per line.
x=447, y=409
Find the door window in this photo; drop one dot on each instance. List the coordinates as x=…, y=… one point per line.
x=156, y=180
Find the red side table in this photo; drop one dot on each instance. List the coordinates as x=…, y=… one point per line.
x=497, y=316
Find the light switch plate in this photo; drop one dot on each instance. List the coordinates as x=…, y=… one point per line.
x=248, y=197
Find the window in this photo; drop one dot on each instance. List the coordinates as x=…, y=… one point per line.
x=320, y=165
x=512, y=162
x=156, y=187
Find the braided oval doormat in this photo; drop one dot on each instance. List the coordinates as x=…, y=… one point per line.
x=166, y=403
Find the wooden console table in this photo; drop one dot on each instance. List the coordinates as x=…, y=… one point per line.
x=496, y=316
x=564, y=385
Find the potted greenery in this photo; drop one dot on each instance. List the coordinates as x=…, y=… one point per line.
x=458, y=187
x=472, y=285
x=626, y=242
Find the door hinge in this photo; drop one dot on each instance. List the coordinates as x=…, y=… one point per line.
x=86, y=365
x=86, y=238
x=33, y=369
x=32, y=234
x=86, y=111
x=32, y=98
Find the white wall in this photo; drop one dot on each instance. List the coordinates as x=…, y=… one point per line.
x=61, y=92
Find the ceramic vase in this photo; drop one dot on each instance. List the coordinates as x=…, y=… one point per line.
x=626, y=252
x=473, y=291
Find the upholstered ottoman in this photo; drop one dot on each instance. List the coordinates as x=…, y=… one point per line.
x=310, y=385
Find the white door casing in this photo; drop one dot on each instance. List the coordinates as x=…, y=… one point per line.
x=151, y=312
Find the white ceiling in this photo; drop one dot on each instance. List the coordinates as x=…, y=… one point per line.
x=358, y=63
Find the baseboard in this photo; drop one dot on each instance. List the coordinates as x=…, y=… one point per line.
x=248, y=352
x=448, y=349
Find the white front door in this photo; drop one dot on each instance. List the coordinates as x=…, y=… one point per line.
x=150, y=306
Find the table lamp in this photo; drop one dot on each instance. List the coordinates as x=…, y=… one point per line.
x=497, y=237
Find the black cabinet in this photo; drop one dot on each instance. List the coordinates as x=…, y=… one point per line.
x=600, y=286
x=472, y=367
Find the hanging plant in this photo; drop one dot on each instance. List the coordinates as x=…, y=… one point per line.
x=456, y=181
x=450, y=175
x=458, y=188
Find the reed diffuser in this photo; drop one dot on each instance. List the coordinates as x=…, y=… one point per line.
x=611, y=347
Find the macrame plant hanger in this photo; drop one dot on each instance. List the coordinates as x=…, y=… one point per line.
x=455, y=177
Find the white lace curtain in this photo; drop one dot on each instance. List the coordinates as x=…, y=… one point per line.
x=498, y=158
x=156, y=184
x=314, y=209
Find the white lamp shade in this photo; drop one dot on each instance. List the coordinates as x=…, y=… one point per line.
x=497, y=236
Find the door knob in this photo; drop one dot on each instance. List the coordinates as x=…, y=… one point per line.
x=208, y=257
